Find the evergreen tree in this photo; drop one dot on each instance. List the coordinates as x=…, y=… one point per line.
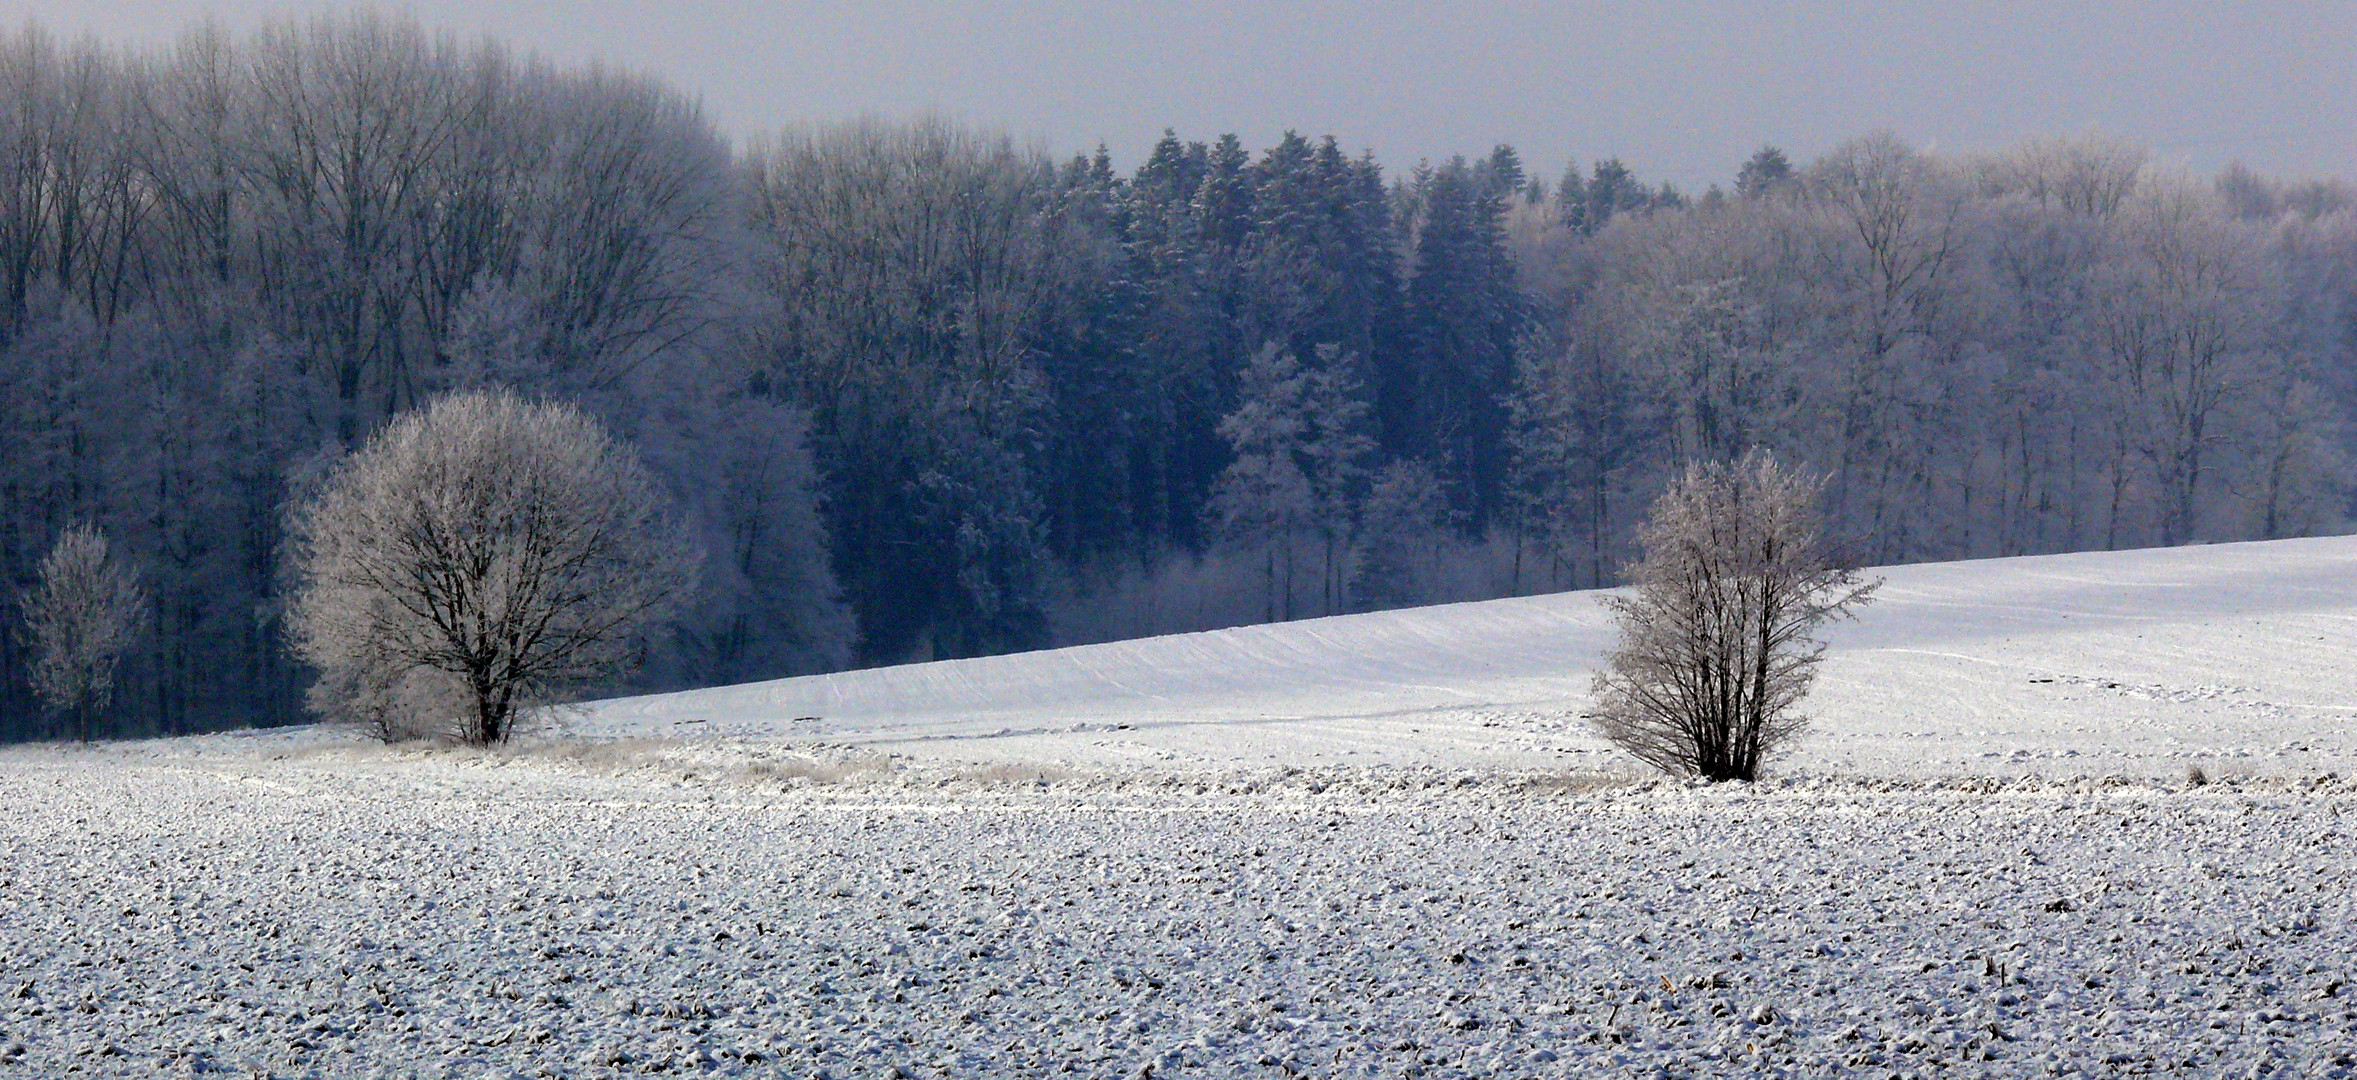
x=1101, y=440
x=1611, y=190
x=1501, y=174
x=1405, y=529
x=1263, y=499
x=1335, y=446
x=1763, y=172
x=1446, y=402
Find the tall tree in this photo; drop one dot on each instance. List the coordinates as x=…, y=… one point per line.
x=905, y=268
x=1446, y=400
x=1263, y=499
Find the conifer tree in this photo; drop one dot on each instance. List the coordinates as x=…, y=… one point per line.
x=1447, y=401
x=1264, y=500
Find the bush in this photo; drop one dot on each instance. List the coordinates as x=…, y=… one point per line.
x=81, y=615
x=1716, y=637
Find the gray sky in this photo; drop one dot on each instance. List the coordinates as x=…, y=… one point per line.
x=1682, y=91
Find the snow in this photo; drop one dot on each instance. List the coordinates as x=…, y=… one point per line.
x=2231, y=657
x=1964, y=872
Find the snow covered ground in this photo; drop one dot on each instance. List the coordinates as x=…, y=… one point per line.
x=349, y=912
x=2235, y=657
x=1358, y=847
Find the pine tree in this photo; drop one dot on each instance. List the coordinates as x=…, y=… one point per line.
x=1264, y=500
x=1765, y=171
x=1501, y=174
x=1403, y=527
x=1335, y=445
x=1446, y=403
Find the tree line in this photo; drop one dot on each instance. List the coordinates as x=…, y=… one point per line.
x=225, y=263
x=922, y=391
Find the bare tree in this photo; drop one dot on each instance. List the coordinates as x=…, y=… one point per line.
x=2183, y=328
x=80, y=617
x=476, y=558
x=1717, y=641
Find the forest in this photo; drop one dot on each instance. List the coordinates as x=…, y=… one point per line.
x=921, y=391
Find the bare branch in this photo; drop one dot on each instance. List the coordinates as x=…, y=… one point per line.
x=476, y=558
x=1717, y=643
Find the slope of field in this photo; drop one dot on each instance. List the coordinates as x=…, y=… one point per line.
x=2233, y=657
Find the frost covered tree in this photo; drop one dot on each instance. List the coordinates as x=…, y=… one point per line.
x=1717, y=641
x=2183, y=339
x=476, y=558
x=1403, y=530
x=972, y=384
x=1579, y=424
x=907, y=267
x=1263, y=499
x=1334, y=449
x=81, y=616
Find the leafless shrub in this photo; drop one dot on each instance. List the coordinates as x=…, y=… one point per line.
x=81, y=615
x=1716, y=644
x=475, y=559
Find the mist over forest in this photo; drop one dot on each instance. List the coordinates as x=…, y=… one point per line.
x=922, y=390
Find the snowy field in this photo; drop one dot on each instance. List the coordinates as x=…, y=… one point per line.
x=2236, y=657
x=1376, y=846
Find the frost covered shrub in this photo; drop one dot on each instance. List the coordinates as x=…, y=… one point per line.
x=1716, y=637
x=81, y=615
x=476, y=558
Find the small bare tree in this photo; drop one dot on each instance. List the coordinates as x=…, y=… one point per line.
x=474, y=559
x=1717, y=644
x=82, y=614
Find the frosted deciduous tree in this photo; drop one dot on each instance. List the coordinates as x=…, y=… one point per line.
x=1717, y=641
x=80, y=617
x=767, y=607
x=223, y=255
x=903, y=264
x=475, y=558
x=2091, y=176
x=1888, y=217
x=1578, y=425
x=2183, y=341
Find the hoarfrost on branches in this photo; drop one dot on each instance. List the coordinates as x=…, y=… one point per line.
x=1717, y=644
x=474, y=559
x=82, y=615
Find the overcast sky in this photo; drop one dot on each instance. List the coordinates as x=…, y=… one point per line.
x=1682, y=91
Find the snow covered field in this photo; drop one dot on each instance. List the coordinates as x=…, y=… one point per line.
x=348, y=912
x=2236, y=657
x=1358, y=847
